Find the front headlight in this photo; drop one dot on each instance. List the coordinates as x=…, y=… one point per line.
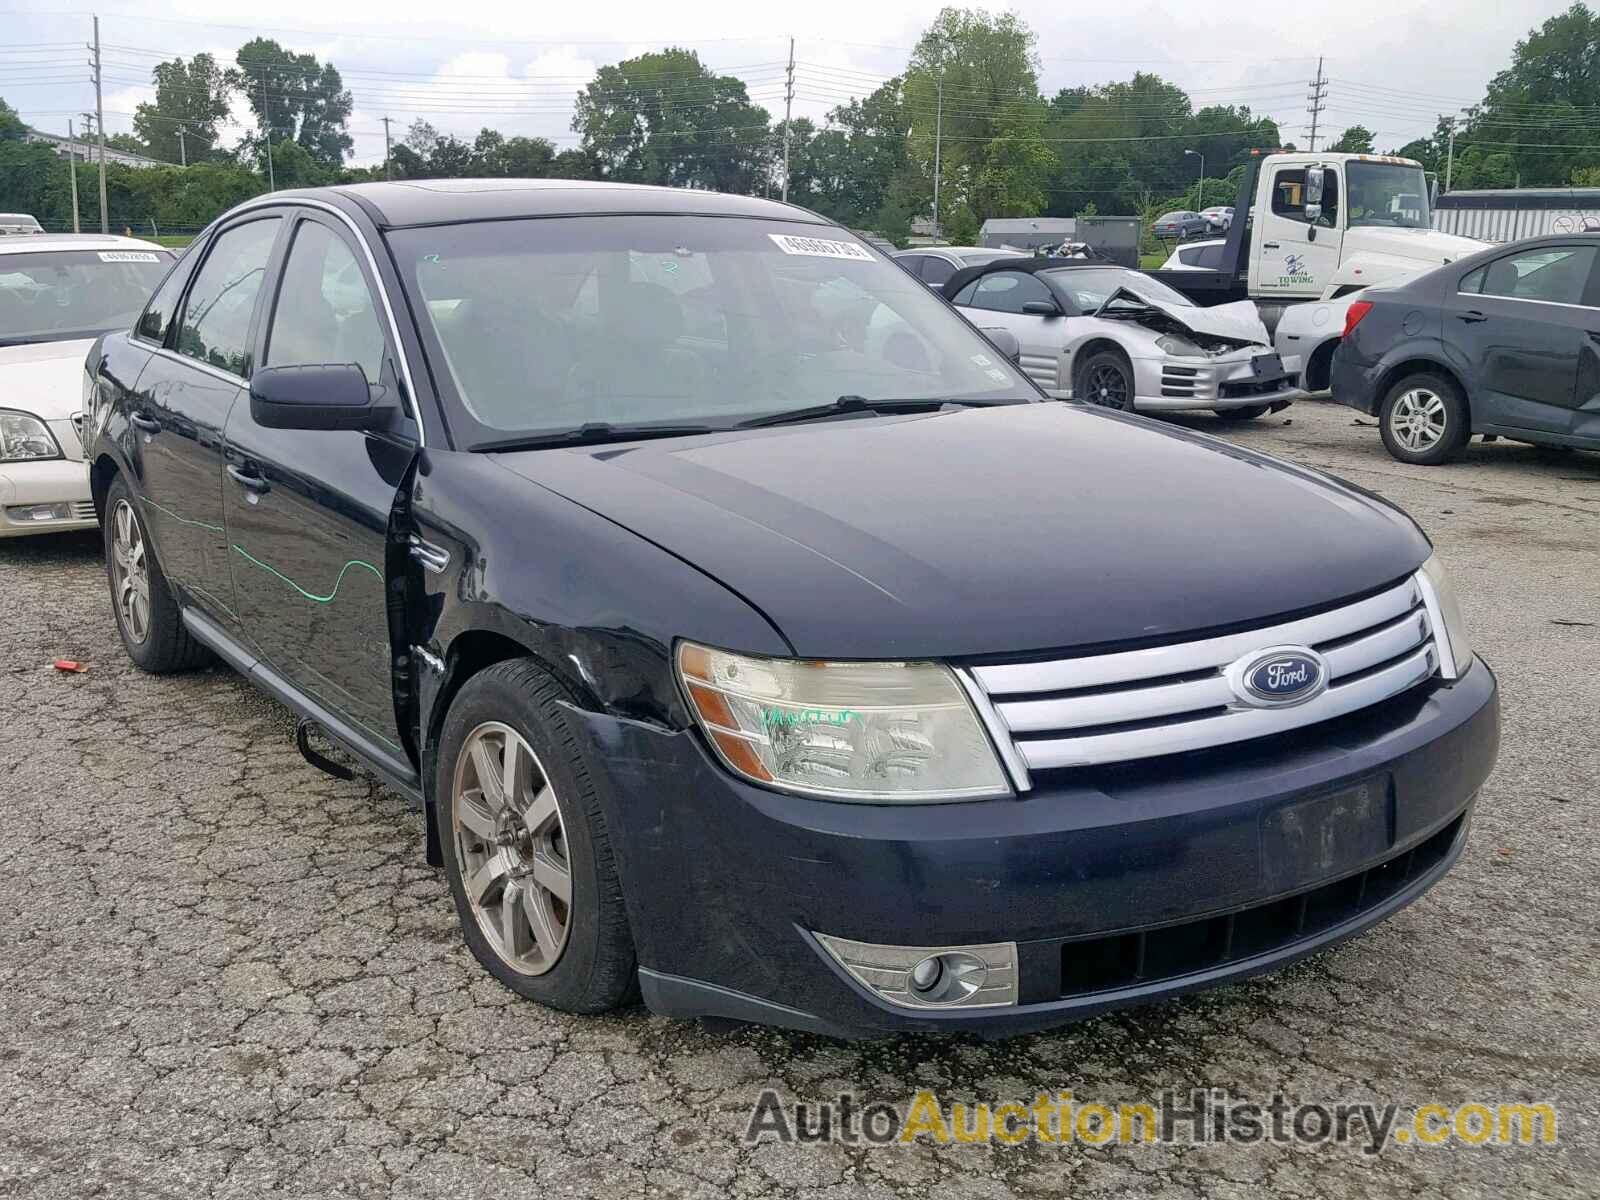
x=24, y=437
x=1450, y=632
x=1171, y=343
x=865, y=732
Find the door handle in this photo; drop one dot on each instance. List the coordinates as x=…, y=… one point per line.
x=1270, y=246
x=1472, y=316
x=143, y=423
x=248, y=480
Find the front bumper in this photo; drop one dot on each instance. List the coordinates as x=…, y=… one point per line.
x=1186, y=384
x=727, y=884
x=29, y=489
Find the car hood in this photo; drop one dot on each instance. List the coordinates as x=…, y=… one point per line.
x=1239, y=321
x=1421, y=245
x=990, y=531
x=44, y=378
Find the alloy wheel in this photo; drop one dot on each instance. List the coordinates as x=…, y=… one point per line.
x=511, y=847
x=1418, y=419
x=1107, y=386
x=130, y=572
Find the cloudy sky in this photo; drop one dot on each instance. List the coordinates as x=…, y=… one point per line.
x=1392, y=64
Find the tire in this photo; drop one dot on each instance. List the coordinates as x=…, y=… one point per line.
x=505, y=862
x=1424, y=420
x=1248, y=413
x=149, y=618
x=1095, y=374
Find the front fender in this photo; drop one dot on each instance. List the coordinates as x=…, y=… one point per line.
x=1370, y=267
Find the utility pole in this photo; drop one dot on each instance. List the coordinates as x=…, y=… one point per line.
x=183, y=153
x=938, y=136
x=1450, y=156
x=266, y=128
x=72, y=158
x=1318, y=93
x=788, y=113
x=387, y=173
x=100, y=128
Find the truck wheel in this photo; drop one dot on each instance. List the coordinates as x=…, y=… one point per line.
x=1424, y=420
x=148, y=617
x=1105, y=379
x=526, y=849
x=1248, y=413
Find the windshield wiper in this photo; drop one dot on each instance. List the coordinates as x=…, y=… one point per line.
x=849, y=404
x=594, y=433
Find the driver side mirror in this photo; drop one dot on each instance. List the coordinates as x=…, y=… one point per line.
x=1315, y=180
x=321, y=396
x=1041, y=308
x=1006, y=342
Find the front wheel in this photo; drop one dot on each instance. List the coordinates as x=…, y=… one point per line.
x=526, y=848
x=1424, y=420
x=1105, y=379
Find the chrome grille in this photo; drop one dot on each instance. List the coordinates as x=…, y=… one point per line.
x=83, y=510
x=1107, y=708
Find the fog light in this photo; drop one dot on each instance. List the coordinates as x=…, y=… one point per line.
x=931, y=976
x=926, y=973
x=38, y=512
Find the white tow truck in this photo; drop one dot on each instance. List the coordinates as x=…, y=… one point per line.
x=1313, y=226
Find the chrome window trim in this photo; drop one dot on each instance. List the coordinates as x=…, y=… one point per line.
x=209, y=369
x=377, y=277
x=1526, y=300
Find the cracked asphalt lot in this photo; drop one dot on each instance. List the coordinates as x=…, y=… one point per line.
x=224, y=974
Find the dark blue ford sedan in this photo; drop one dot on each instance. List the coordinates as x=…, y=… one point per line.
x=752, y=631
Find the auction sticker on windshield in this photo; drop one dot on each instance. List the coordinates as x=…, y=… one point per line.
x=819, y=247
x=128, y=256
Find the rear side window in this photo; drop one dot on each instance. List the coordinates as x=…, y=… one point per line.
x=325, y=312
x=216, y=319
x=1554, y=274
x=157, y=316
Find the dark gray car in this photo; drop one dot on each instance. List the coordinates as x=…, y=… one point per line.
x=1506, y=342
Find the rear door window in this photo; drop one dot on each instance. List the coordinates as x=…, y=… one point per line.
x=215, y=328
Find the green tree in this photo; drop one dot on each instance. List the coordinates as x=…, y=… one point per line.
x=1355, y=140
x=664, y=117
x=294, y=98
x=192, y=96
x=12, y=128
x=974, y=75
x=1539, y=111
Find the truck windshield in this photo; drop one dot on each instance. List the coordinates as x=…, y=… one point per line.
x=550, y=325
x=1388, y=194
x=54, y=296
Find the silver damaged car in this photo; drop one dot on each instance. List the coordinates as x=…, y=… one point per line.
x=1118, y=338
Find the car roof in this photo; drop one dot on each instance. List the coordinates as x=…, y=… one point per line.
x=28, y=243
x=1028, y=264
x=399, y=204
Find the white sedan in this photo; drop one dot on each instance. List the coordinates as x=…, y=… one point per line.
x=58, y=293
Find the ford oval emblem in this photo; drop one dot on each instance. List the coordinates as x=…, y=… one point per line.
x=1281, y=676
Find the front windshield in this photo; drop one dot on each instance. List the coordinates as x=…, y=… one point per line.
x=1388, y=194
x=53, y=296
x=1091, y=287
x=557, y=323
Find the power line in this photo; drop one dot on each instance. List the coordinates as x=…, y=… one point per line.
x=1317, y=97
